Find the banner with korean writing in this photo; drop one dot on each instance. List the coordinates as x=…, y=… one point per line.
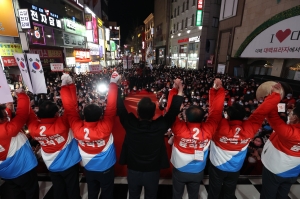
x=37, y=74
x=24, y=70
x=281, y=40
x=8, y=49
x=95, y=68
x=4, y=89
x=57, y=67
x=48, y=56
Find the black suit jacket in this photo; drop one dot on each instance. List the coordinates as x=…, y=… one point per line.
x=144, y=147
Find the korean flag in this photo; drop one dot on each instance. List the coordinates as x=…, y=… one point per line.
x=36, y=73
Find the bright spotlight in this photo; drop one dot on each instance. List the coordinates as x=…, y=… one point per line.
x=102, y=88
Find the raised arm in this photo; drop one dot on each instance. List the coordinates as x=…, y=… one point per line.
x=70, y=106
x=111, y=106
x=121, y=110
x=14, y=126
x=215, y=106
x=177, y=100
x=269, y=105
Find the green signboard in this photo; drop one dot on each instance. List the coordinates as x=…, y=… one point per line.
x=74, y=27
x=112, y=46
x=199, y=18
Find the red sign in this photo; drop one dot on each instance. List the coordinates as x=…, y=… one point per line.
x=49, y=56
x=9, y=61
x=183, y=40
x=200, y=4
x=82, y=56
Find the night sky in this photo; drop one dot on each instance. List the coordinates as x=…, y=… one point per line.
x=129, y=14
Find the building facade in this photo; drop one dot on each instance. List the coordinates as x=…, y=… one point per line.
x=194, y=29
x=149, y=33
x=161, y=38
x=259, y=38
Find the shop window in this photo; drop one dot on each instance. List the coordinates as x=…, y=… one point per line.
x=228, y=9
x=186, y=22
x=71, y=12
x=215, y=22
x=193, y=20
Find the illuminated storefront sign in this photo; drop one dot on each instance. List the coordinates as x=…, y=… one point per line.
x=73, y=27
x=24, y=18
x=199, y=18
x=194, y=39
x=44, y=16
x=199, y=13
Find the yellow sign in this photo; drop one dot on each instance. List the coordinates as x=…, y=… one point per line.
x=8, y=25
x=8, y=49
x=99, y=22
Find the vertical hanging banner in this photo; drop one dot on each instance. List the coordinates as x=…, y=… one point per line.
x=24, y=70
x=36, y=73
x=4, y=89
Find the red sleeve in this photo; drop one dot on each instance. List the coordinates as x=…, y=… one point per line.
x=215, y=111
x=285, y=131
x=9, y=113
x=258, y=116
x=70, y=107
x=111, y=109
x=32, y=121
x=172, y=92
x=13, y=127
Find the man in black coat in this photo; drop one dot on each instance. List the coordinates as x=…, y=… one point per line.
x=144, y=151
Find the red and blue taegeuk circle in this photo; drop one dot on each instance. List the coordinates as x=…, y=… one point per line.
x=22, y=64
x=36, y=65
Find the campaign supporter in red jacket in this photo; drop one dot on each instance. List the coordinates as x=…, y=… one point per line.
x=59, y=148
x=281, y=155
x=230, y=142
x=95, y=139
x=17, y=161
x=191, y=142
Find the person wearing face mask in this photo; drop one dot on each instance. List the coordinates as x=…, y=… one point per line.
x=229, y=145
x=281, y=155
x=290, y=101
x=191, y=142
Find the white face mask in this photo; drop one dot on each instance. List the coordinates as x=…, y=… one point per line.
x=186, y=100
x=225, y=115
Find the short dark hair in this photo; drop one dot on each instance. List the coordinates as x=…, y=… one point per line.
x=236, y=112
x=47, y=109
x=92, y=113
x=146, y=108
x=2, y=108
x=194, y=114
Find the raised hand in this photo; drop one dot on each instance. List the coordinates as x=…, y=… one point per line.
x=217, y=84
x=115, y=77
x=66, y=79
x=276, y=88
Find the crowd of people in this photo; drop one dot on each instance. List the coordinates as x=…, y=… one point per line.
x=208, y=117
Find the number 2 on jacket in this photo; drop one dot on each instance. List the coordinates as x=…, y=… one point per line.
x=197, y=131
x=43, y=129
x=86, y=136
x=237, y=131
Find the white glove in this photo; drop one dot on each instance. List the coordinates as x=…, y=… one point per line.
x=66, y=79
x=114, y=77
x=19, y=90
